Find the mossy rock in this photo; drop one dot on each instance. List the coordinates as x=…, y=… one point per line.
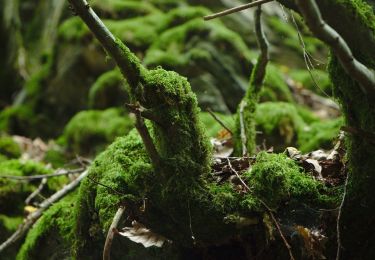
x=90, y=131
x=14, y=192
x=109, y=90
x=274, y=87
x=215, y=59
x=9, y=148
x=284, y=124
x=320, y=135
x=316, y=80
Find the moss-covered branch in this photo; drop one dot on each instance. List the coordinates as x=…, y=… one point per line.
x=363, y=75
x=246, y=113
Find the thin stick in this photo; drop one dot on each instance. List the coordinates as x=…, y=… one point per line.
x=36, y=192
x=238, y=176
x=111, y=233
x=236, y=9
x=59, y=172
x=219, y=121
x=242, y=126
x=288, y=247
x=34, y=216
x=339, y=245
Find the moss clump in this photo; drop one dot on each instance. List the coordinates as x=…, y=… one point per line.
x=108, y=91
x=321, y=77
x=8, y=225
x=9, y=148
x=279, y=123
x=51, y=235
x=274, y=87
x=13, y=193
x=90, y=131
x=319, y=135
x=275, y=178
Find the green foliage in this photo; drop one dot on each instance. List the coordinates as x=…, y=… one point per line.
x=91, y=130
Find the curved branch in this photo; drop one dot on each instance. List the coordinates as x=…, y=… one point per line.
x=359, y=72
x=128, y=63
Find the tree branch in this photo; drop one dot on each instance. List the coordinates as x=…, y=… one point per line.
x=236, y=9
x=259, y=71
x=59, y=172
x=34, y=216
x=111, y=233
x=128, y=63
x=359, y=72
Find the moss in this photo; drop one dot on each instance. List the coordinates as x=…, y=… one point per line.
x=108, y=91
x=90, y=131
x=321, y=78
x=279, y=123
x=274, y=87
x=13, y=193
x=319, y=135
x=275, y=179
x=8, y=225
x=119, y=9
x=138, y=32
x=9, y=148
x=170, y=50
x=51, y=236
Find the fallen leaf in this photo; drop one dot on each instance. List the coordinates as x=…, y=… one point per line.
x=138, y=233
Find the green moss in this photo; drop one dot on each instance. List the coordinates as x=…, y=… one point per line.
x=274, y=87
x=9, y=148
x=280, y=121
x=13, y=193
x=8, y=225
x=319, y=135
x=321, y=78
x=170, y=48
x=91, y=130
x=275, y=178
x=51, y=235
x=119, y=9
x=108, y=91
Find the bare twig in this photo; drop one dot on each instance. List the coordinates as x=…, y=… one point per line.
x=106, y=186
x=111, y=233
x=358, y=71
x=219, y=121
x=259, y=71
x=243, y=130
x=238, y=176
x=146, y=113
x=339, y=245
x=288, y=247
x=34, y=216
x=36, y=192
x=269, y=210
x=236, y=9
x=59, y=172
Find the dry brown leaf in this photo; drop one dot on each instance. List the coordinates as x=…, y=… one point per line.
x=138, y=233
x=222, y=148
